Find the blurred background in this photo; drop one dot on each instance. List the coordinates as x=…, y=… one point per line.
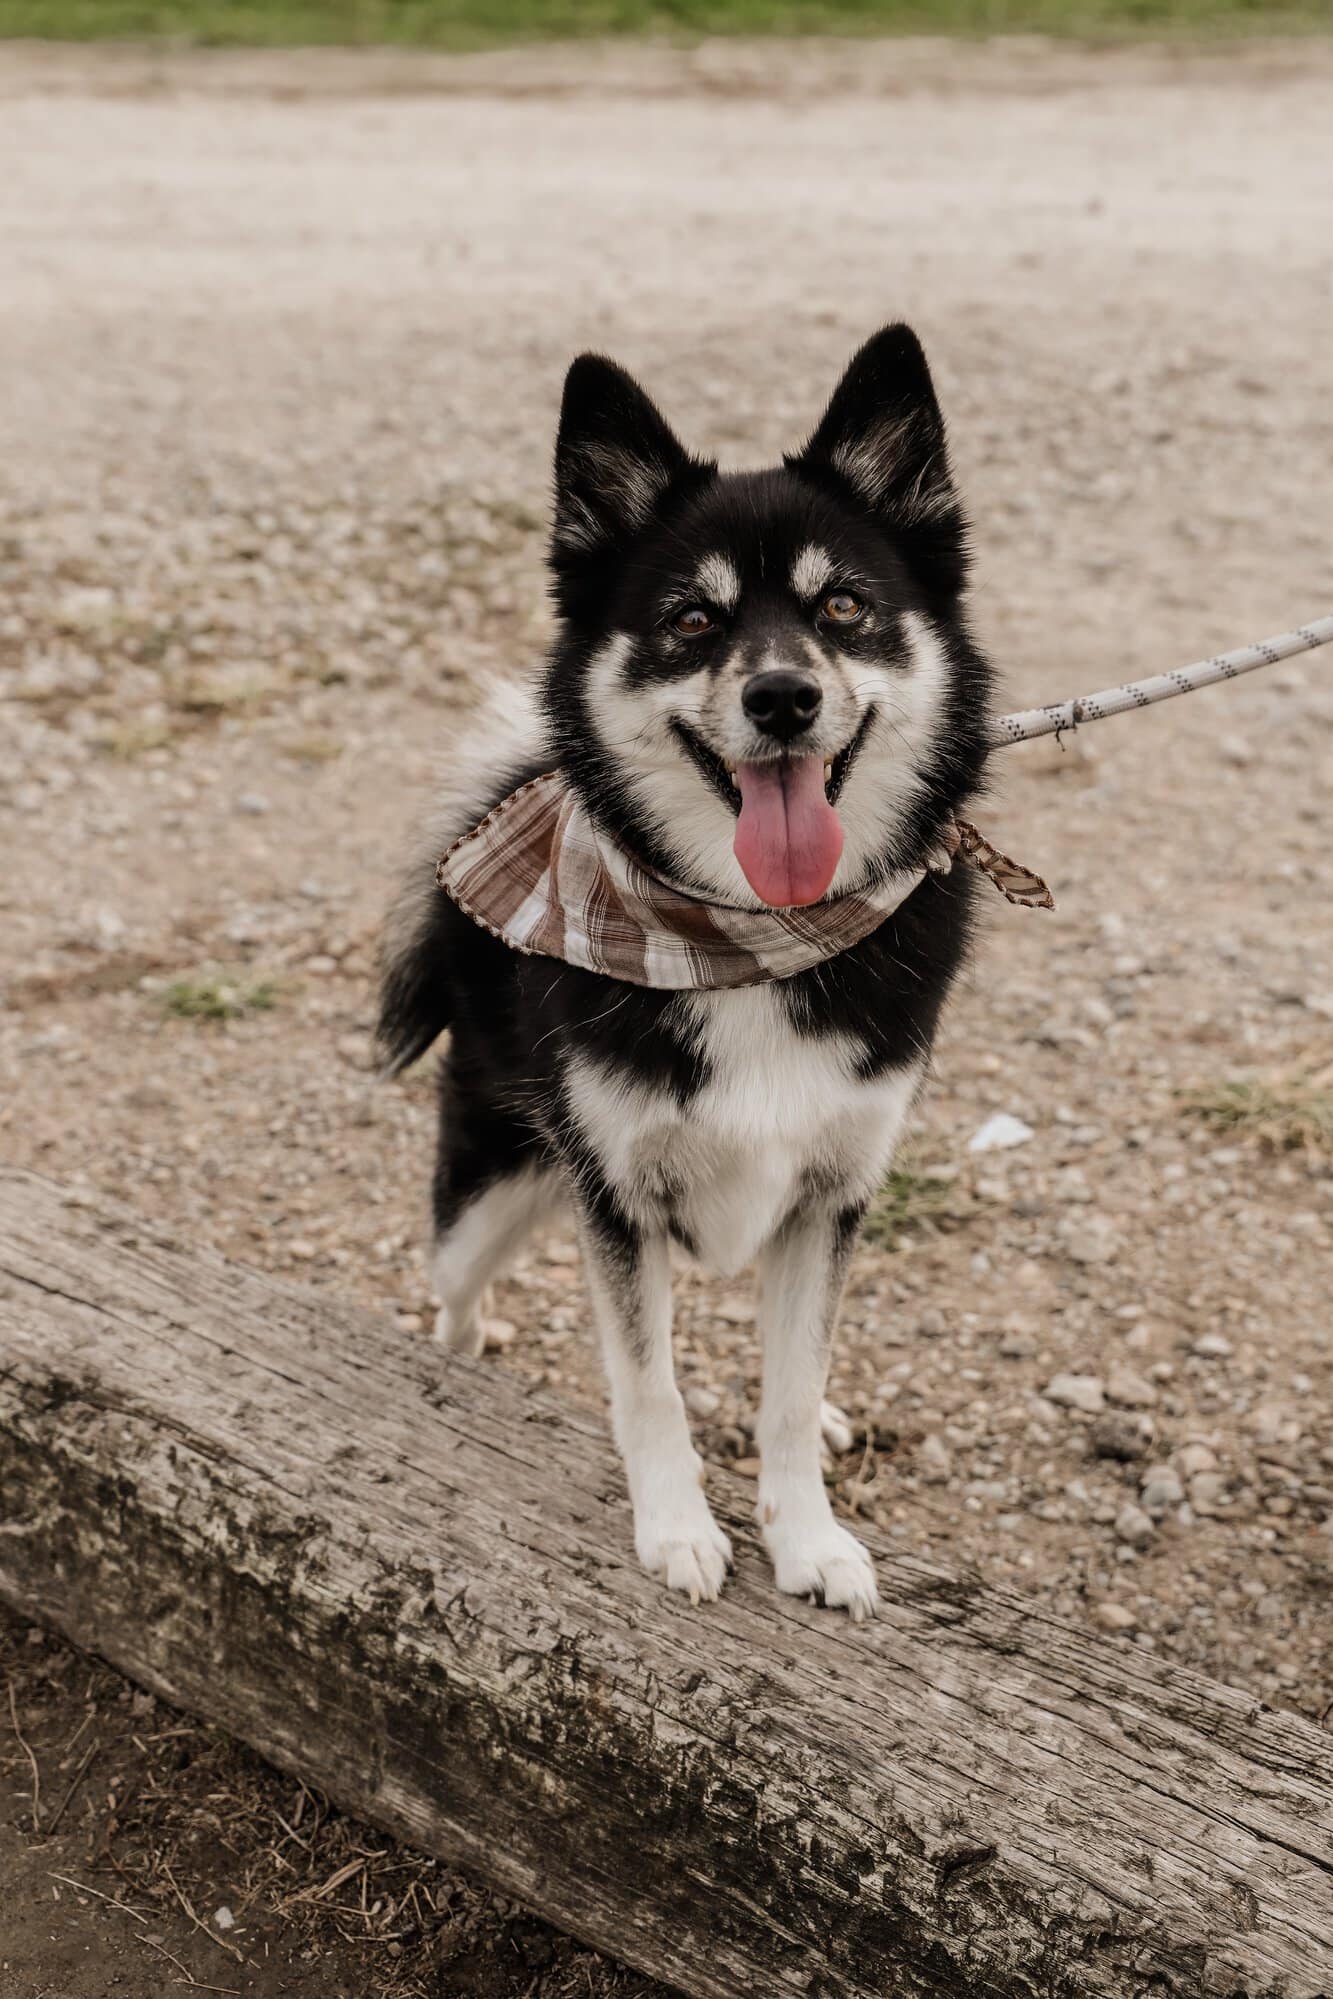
x=288, y=294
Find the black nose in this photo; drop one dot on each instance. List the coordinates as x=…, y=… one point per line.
x=781, y=703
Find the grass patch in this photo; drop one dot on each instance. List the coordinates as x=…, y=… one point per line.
x=313, y=749
x=209, y=697
x=216, y=996
x=134, y=739
x=905, y=1202
x=472, y=24
x=1291, y=1113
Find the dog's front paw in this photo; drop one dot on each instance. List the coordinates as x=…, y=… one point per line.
x=825, y=1563
x=687, y=1549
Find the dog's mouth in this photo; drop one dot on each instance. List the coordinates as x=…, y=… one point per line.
x=788, y=834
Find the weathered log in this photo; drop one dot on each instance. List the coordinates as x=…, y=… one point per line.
x=410, y=1581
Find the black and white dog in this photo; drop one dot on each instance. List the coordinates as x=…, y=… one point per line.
x=763, y=686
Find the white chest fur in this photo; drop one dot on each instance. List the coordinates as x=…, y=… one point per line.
x=783, y=1119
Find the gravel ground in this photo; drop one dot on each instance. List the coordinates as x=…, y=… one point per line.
x=280, y=349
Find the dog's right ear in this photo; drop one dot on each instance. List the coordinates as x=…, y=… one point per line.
x=616, y=460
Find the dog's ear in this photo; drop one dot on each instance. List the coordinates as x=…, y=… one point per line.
x=616, y=460
x=882, y=437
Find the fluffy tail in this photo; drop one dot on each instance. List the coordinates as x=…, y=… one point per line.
x=501, y=748
x=416, y=1004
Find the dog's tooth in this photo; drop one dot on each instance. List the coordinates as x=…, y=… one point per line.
x=828, y=770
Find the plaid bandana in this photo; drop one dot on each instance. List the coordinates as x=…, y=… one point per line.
x=540, y=875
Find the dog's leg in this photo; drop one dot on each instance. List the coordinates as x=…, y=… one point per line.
x=493, y=1184
x=629, y=1278
x=475, y=1237
x=801, y=1273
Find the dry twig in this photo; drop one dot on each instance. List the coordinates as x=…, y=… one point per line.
x=185, y=1903
x=32, y=1762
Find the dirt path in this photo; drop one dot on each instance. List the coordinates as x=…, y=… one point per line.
x=280, y=348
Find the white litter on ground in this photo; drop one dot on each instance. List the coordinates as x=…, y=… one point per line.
x=999, y=1133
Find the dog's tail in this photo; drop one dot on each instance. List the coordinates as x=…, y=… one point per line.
x=416, y=1004
x=500, y=749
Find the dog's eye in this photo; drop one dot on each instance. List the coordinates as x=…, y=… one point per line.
x=693, y=621
x=842, y=607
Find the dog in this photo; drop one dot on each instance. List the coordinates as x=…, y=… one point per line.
x=763, y=690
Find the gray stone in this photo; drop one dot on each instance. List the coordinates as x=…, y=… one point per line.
x=1088, y=1238
x=1192, y=1458
x=1117, y=1436
x=1161, y=1490
x=1208, y=1491
x=1134, y=1526
x=1076, y=1391
x=933, y=1461
x=1123, y=1385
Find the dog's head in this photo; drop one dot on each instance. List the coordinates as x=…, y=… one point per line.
x=763, y=682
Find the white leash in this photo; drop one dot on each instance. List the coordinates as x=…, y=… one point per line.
x=1161, y=687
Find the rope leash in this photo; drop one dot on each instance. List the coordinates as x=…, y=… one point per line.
x=1064, y=715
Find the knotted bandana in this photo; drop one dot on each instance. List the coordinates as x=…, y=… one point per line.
x=539, y=874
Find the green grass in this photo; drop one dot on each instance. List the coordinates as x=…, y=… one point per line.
x=1291, y=1113
x=905, y=1202
x=470, y=24
x=215, y=996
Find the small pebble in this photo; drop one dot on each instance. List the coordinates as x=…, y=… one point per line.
x=933, y=1461
x=1088, y=1238
x=1017, y=1345
x=1161, y=1490
x=1207, y=1492
x=1193, y=1458
x=1076, y=1391
x=1000, y=1133
x=1130, y=1389
x=1212, y=1346
x=1134, y=1526
x=1118, y=1437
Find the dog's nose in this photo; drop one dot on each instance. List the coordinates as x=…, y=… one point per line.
x=781, y=703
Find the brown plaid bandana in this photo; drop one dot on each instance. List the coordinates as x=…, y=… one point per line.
x=539, y=874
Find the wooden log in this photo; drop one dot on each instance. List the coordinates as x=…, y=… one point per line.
x=410, y=1581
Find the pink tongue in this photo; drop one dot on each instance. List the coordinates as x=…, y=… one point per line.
x=788, y=839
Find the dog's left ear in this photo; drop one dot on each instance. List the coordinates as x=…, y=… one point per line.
x=883, y=437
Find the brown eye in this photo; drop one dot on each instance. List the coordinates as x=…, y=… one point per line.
x=841, y=607
x=692, y=622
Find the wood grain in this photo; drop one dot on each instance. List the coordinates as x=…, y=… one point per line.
x=411, y=1582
